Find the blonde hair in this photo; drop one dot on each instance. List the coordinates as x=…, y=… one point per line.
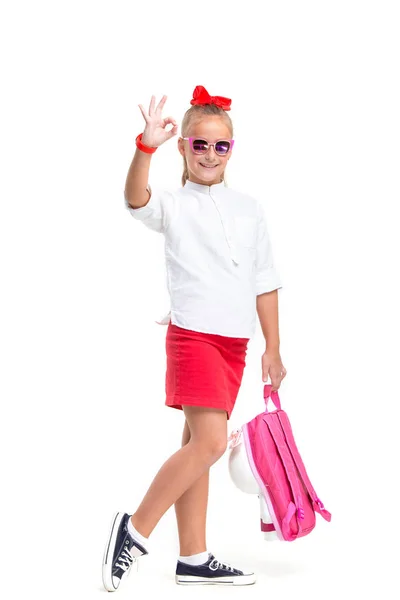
x=195, y=114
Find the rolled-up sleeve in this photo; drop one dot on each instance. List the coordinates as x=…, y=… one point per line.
x=267, y=277
x=156, y=214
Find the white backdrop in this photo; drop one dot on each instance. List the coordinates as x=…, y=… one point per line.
x=315, y=106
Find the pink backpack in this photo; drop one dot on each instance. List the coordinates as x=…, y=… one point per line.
x=281, y=477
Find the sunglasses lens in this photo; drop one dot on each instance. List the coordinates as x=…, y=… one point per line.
x=200, y=146
x=222, y=147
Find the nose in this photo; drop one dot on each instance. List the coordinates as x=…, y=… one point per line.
x=208, y=153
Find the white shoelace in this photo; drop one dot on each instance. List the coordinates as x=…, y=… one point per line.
x=125, y=559
x=215, y=564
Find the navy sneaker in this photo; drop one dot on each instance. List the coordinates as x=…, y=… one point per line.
x=212, y=572
x=120, y=553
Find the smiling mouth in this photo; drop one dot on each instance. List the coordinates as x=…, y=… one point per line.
x=208, y=166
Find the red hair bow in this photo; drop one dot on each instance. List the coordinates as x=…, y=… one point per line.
x=201, y=96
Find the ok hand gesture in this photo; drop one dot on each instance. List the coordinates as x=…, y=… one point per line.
x=154, y=133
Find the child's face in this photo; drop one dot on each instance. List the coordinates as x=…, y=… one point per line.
x=210, y=129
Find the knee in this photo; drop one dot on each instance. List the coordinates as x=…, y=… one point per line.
x=213, y=448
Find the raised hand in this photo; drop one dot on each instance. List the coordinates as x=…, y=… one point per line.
x=154, y=133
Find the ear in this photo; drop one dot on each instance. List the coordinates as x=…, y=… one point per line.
x=181, y=146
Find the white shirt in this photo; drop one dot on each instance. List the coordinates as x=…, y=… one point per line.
x=218, y=256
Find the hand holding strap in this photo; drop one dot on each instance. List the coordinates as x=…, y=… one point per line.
x=268, y=393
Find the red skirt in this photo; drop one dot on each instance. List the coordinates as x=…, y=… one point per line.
x=203, y=369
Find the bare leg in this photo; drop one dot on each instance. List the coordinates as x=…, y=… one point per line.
x=191, y=511
x=206, y=445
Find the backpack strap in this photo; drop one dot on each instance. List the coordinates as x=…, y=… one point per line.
x=286, y=427
x=268, y=393
x=297, y=507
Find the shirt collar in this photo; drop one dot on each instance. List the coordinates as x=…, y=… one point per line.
x=204, y=189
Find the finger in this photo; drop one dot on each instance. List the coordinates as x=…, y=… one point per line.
x=275, y=383
x=151, y=107
x=145, y=116
x=264, y=371
x=276, y=379
x=161, y=104
x=169, y=120
x=173, y=131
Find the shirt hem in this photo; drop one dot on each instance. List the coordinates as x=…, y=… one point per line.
x=174, y=321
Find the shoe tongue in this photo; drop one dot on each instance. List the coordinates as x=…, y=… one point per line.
x=211, y=557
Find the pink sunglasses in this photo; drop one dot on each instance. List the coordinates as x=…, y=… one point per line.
x=201, y=146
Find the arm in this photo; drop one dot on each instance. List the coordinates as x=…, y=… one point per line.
x=271, y=362
x=267, y=285
x=267, y=310
x=136, y=190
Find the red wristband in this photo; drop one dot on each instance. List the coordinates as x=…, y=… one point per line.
x=143, y=147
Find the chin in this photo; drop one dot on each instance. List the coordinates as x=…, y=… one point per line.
x=202, y=174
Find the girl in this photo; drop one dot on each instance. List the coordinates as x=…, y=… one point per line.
x=220, y=271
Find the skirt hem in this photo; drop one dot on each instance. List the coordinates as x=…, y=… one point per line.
x=188, y=401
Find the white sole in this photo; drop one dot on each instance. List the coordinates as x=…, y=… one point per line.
x=108, y=553
x=236, y=580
